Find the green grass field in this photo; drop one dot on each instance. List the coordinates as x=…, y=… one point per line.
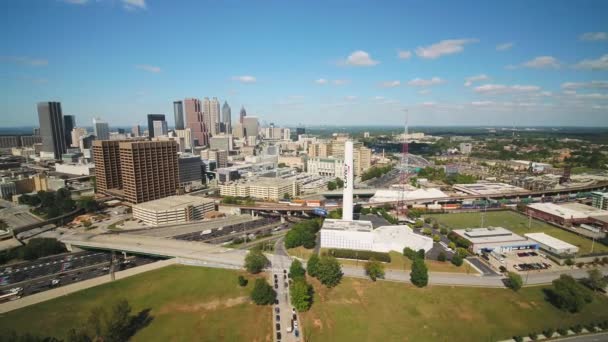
x=400, y=262
x=361, y=310
x=187, y=304
x=518, y=224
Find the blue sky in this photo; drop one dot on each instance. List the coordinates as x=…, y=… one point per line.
x=310, y=62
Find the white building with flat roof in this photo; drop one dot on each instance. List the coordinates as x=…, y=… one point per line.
x=494, y=239
x=173, y=209
x=383, y=195
x=360, y=235
x=551, y=244
x=272, y=189
x=487, y=188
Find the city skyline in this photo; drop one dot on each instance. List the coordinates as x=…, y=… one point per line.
x=445, y=64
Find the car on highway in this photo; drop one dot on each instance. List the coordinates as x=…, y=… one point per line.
x=277, y=318
x=55, y=282
x=276, y=309
x=278, y=326
x=296, y=333
x=278, y=335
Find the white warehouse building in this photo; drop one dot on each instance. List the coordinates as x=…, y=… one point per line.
x=551, y=244
x=360, y=235
x=173, y=209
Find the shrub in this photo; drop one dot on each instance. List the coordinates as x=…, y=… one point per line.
x=580, y=264
x=562, y=331
x=569, y=262
x=418, y=224
x=359, y=255
x=243, y=281
x=421, y=253
x=263, y=293
x=514, y=281
x=568, y=295
x=459, y=241
x=443, y=231
x=428, y=220
x=441, y=256
x=605, y=260
x=427, y=231
x=518, y=338
x=577, y=328
x=452, y=245
x=457, y=260
x=302, y=234
x=436, y=238
x=374, y=269
x=548, y=332
x=409, y=253
x=533, y=336
x=462, y=252
x=435, y=225
x=419, y=274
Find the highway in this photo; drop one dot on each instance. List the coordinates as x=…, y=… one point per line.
x=36, y=276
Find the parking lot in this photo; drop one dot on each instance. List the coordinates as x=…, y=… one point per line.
x=522, y=261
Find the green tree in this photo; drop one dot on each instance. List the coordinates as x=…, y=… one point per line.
x=419, y=275
x=339, y=183
x=441, y=256
x=312, y=266
x=514, y=281
x=410, y=253
x=329, y=271
x=255, y=261
x=262, y=293
x=443, y=231
x=427, y=231
x=595, y=280
x=88, y=203
x=421, y=253
x=331, y=185
x=374, y=269
x=569, y=262
x=418, y=224
x=300, y=293
x=286, y=196
x=457, y=260
x=296, y=271
x=567, y=294
x=436, y=238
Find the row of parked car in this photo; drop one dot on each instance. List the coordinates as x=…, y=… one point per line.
x=532, y=266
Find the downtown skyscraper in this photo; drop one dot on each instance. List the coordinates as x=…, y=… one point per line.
x=178, y=112
x=242, y=115
x=195, y=121
x=226, y=119
x=51, y=128
x=211, y=115
x=151, y=119
x=69, y=122
x=101, y=129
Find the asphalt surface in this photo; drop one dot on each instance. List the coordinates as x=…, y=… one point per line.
x=220, y=235
x=482, y=266
x=282, y=310
x=36, y=276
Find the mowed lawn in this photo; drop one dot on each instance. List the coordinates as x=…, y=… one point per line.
x=187, y=304
x=400, y=262
x=518, y=224
x=362, y=310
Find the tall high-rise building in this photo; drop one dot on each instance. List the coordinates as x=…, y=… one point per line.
x=213, y=107
x=242, y=114
x=101, y=129
x=69, y=122
x=137, y=171
x=51, y=128
x=226, y=119
x=178, y=112
x=36, y=131
x=194, y=121
x=76, y=134
x=136, y=131
x=107, y=166
x=160, y=128
x=300, y=130
x=251, y=126
x=151, y=119
x=149, y=170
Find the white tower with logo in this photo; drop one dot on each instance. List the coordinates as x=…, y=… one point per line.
x=347, y=197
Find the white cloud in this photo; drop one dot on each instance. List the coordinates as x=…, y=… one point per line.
x=594, y=36
x=542, y=62
x=419, y=82
x=350, y=98
x=321, y=81
x=424, y=91
x=469, y=80
x=390, y=84
x=594, y=64
x=444, y=47
x=404, y=54
x=360, y=58
x=482, y=103
x=428, y=104
x=586, y=85
x=500, y=89
x=593, y=96
x=340, y=82
x=148, y=68
x=134, y=4
x=378, y=98
x=23, y=60
x=244, y=79
x=504, y=46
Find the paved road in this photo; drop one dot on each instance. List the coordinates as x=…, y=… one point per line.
x=35, y=277
x=280, y=267
x=586, y=338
